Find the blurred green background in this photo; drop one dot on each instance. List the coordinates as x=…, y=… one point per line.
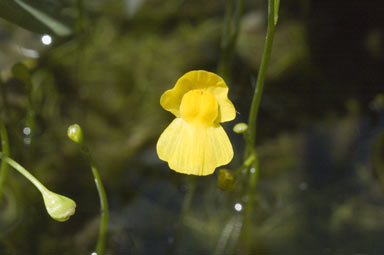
x=320, y=134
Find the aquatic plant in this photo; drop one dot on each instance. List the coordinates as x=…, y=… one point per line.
x=194, y=143
x=75, y=133
x=59, y=207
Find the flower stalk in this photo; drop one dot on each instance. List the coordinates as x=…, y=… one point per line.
x=59, y=207
x=252, y=119
x=250, y=136
x=104, y=211
x=75, y=133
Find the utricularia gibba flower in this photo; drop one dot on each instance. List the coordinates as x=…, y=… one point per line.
x=195, y=142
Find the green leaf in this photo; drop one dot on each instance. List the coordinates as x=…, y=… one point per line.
x=29, y=17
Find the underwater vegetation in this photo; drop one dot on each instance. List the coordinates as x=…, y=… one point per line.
x=191, y=127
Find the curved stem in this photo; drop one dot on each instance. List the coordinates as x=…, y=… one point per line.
x=254, y=168
x=252, y=120
x=247, y=163
x=24, y=172
x=100, y=247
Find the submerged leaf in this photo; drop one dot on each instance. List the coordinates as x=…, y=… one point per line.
x=29, y=17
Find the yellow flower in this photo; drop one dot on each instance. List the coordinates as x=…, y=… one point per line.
x=195, y=143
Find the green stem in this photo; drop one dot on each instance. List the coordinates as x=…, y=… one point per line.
x=247, y=163
x=254, y=168
x=24, y=172
x=252, y=120
x=5, y=151
x=100, y=247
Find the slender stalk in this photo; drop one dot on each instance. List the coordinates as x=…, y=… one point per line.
x=100, y=247
x=5, y=151
x=252, y=120
x=247, y=163
x=251, y=197
x=254, y=168
x=24, y=172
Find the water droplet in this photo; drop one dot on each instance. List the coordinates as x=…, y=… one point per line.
x=26, y=131
x=238, y=207
x=46, y=39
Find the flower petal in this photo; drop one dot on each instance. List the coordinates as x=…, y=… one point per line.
x=194, y=149
x=171, y=99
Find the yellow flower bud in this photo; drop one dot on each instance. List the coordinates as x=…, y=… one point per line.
x=240, y=128
x=59, y=207
x=226, y=180
x=75, y=133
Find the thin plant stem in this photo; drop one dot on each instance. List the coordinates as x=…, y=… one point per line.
x=252, y=120
x=100, y=247
x=254, y=168
x=247, y=163
x=24, y=172
x=5, y=151
x=251, y=197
